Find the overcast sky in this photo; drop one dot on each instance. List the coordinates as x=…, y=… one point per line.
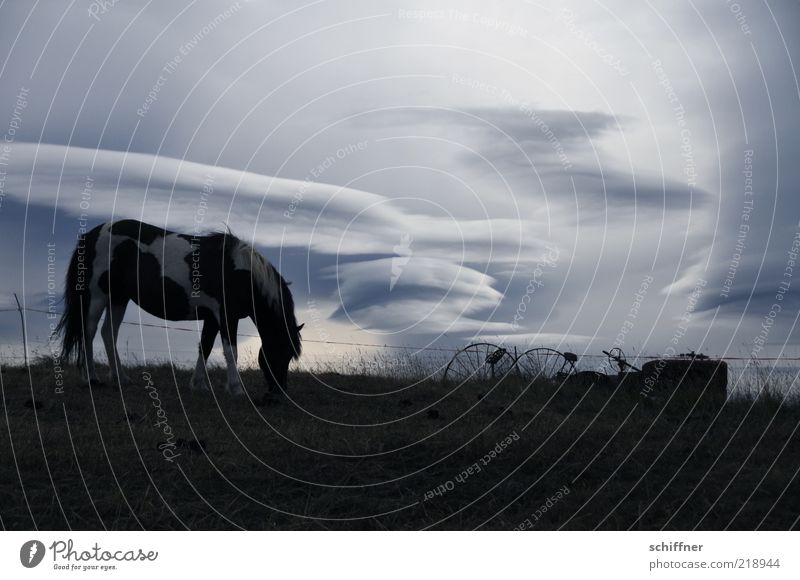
x=426, y=173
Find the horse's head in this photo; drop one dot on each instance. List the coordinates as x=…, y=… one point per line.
x=273, y=314
x=274, y=359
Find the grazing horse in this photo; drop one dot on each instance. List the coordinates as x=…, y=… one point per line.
x=216, y=278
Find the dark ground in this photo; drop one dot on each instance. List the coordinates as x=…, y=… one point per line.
x=339, y=457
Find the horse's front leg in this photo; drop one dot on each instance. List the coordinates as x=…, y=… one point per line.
x=231, y=353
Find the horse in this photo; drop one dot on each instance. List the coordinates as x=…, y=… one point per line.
x=216, y=278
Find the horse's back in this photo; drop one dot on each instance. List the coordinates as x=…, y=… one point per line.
x=147, y=264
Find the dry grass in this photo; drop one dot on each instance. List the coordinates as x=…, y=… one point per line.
x=350, y=451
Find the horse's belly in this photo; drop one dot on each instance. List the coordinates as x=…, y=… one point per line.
x=164, y=298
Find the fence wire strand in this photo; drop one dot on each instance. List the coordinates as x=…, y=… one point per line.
x=404, y=347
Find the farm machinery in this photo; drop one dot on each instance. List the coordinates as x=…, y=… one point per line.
x=483, y=361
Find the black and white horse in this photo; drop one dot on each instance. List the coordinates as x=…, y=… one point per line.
x=217, y=278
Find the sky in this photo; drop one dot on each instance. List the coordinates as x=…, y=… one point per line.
x=577, y=175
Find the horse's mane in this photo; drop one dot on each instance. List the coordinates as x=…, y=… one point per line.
x=266, y=279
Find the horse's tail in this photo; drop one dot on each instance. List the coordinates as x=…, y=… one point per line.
x=76, y=298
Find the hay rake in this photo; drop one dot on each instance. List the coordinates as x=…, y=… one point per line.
x=483, y=361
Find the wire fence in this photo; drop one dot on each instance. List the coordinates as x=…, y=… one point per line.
x=426, y=348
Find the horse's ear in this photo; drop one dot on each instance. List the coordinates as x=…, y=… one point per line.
x=299, y=328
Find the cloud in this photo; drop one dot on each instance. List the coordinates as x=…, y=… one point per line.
x=514, y=137
x=555, y=151
x=443, y=280
x=482, y=147
x=270, y=211
x=434, y=294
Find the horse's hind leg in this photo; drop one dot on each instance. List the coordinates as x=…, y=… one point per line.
x=90, y=321
x=115, y=312
x=209, y=334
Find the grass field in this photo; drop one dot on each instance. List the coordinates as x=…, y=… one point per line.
x=365, y=452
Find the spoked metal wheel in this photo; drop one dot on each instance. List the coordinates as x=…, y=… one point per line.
x=546, y=363
x=482, y=361
x=616, y=356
